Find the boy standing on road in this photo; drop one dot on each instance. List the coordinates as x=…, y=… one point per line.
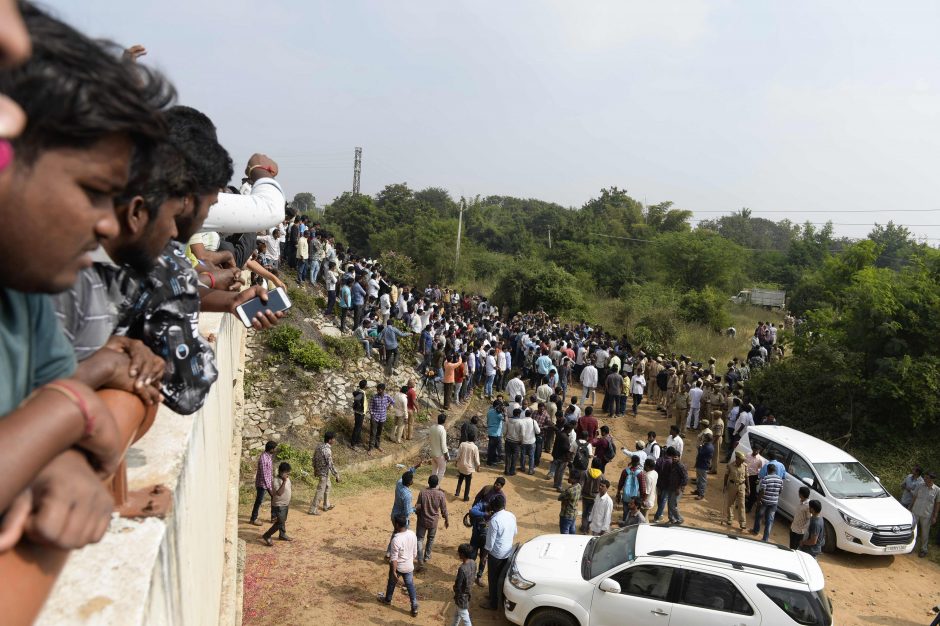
x=465, y=575
x=280, y=502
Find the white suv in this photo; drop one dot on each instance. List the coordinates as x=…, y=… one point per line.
x=662, y=575
x=860, y=516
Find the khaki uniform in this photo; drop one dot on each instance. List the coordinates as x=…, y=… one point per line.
x=651, y=375
x=681, y=408
x=672, y=386
x=735, y=493
x=718, y=432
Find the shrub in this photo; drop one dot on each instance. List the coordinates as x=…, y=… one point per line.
x=400, y=267
x=343, y=347
x=282, y=337
x=707, y=307
x=301, y=462
x=303, y=301
x=311, y=356
x=656, y=330
x=307, y=354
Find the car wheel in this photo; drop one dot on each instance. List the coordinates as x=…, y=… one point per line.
x=830, y=546
x=553, y=617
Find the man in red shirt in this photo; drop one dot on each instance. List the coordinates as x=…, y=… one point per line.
x=587, y=425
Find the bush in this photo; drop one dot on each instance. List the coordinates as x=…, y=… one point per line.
x=311, y=356
x=301, y=462
x=307, y=354
x=656, y=331
x=343, y=347
x=399, y=267
x=707, y=307
x=282, y=337
x=303, y=301
x=527, y=284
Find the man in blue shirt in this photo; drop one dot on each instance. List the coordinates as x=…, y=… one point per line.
x=774, y=460
x=345, y=303
x=494, y=430
x=358, y=302
x=390, y=336
x=543, y=364
x=402, y=505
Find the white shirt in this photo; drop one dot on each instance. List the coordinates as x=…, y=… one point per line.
x=385, y=304
x=500, y=534
x=529, y=429
x=637, y=384
x=589, y=376
x=600, y=514
x=676, y=442
x=490, y=365
x=438, y=440
x=401, y=404
x=695, y=397
x=235, y=213
x=745, y=419
x=516, y=387
x=653, y=450
x=652, y=477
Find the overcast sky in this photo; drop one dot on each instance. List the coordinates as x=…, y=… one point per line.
x=806, y=110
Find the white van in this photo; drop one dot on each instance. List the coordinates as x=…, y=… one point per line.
x=860, y=515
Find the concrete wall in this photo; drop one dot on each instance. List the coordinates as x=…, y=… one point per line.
x=180, y=570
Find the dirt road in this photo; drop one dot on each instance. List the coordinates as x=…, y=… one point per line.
x=333, y=570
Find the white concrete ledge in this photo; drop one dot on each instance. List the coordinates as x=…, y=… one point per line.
x=172, y=571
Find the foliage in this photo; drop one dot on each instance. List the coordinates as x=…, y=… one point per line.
x=301, y=462
x=697, y=259
x=287, y=339
x=526, y=285
x=708, y=307
x=343, y=347
x=399, y=267
x=304, y=301
x=305, y=202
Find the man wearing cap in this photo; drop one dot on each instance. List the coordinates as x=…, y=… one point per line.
x=736, y=490
x=925, y=507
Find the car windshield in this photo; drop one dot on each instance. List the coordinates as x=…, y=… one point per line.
x=608, y=551
x=849, y=480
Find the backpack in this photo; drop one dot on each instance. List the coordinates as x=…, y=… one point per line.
x=631, y=487
x=581, y=457
x=609, y=451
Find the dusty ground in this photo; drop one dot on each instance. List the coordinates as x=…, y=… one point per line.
x=333, y=570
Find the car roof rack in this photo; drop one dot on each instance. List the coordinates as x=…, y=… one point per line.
x=738, y=565
x=722, y=534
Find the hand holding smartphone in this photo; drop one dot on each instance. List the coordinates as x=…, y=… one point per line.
x=277, y=302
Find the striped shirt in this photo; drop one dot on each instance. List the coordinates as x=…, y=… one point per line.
x=265, y=470
x=770, y=486
x=378, y=407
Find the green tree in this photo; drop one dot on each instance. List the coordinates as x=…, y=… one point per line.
x=528, y=284
x=357, y=217
x=305, y=202
x=698, y=259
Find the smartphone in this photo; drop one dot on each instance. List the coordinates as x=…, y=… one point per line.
x=277, y=302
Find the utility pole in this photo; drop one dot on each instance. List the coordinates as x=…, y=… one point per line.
x=549, y=238
x=357, y=170
x=463, y=205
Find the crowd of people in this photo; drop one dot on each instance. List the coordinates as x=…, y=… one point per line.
x=127, y=189
x=526, y=367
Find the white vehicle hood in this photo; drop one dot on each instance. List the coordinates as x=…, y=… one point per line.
x=876, y=511
x=552, y=557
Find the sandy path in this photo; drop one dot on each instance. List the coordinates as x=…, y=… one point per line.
x=332, y=571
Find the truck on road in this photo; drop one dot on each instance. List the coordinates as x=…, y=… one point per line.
x=773, y=298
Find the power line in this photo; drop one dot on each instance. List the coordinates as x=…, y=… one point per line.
x=730, y=213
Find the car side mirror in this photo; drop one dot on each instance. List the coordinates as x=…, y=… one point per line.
x=609, y=585
x=878, y=479
x=807, y=481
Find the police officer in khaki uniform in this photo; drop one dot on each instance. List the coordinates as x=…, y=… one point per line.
x=681, y=407
x=735, y=490
x=672, y=388
x=718, y=430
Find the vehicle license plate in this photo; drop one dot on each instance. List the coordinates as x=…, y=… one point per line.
x=895, y=548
